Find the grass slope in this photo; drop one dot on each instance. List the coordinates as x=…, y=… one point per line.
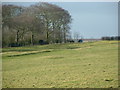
x=86, y=65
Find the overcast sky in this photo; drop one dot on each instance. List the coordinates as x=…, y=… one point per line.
x=90, y=19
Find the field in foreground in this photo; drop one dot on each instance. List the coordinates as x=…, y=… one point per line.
x=85, y=65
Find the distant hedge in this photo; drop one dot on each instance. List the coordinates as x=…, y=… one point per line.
x=111, y=38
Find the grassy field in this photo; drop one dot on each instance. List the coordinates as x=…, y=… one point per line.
x=75, y=65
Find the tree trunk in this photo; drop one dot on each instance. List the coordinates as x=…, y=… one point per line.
x=17, y=37
x=64, y=34
x=47, y=37
x=32, y=37
x=64, y=37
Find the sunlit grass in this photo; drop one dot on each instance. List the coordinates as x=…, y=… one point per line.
x=71, y=65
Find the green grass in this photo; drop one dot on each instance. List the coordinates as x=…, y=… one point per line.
x=75, y=65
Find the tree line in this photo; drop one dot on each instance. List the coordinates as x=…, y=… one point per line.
x=111, y=38
x=41, y=23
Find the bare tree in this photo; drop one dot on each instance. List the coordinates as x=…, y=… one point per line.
x=40, y=21
x=76, y=35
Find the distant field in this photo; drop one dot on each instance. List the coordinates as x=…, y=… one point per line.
x=71, y=65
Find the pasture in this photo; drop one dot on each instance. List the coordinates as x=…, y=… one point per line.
x=70, y=65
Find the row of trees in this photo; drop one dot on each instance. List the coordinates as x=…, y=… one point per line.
x=111, y=38
x=29, y=25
